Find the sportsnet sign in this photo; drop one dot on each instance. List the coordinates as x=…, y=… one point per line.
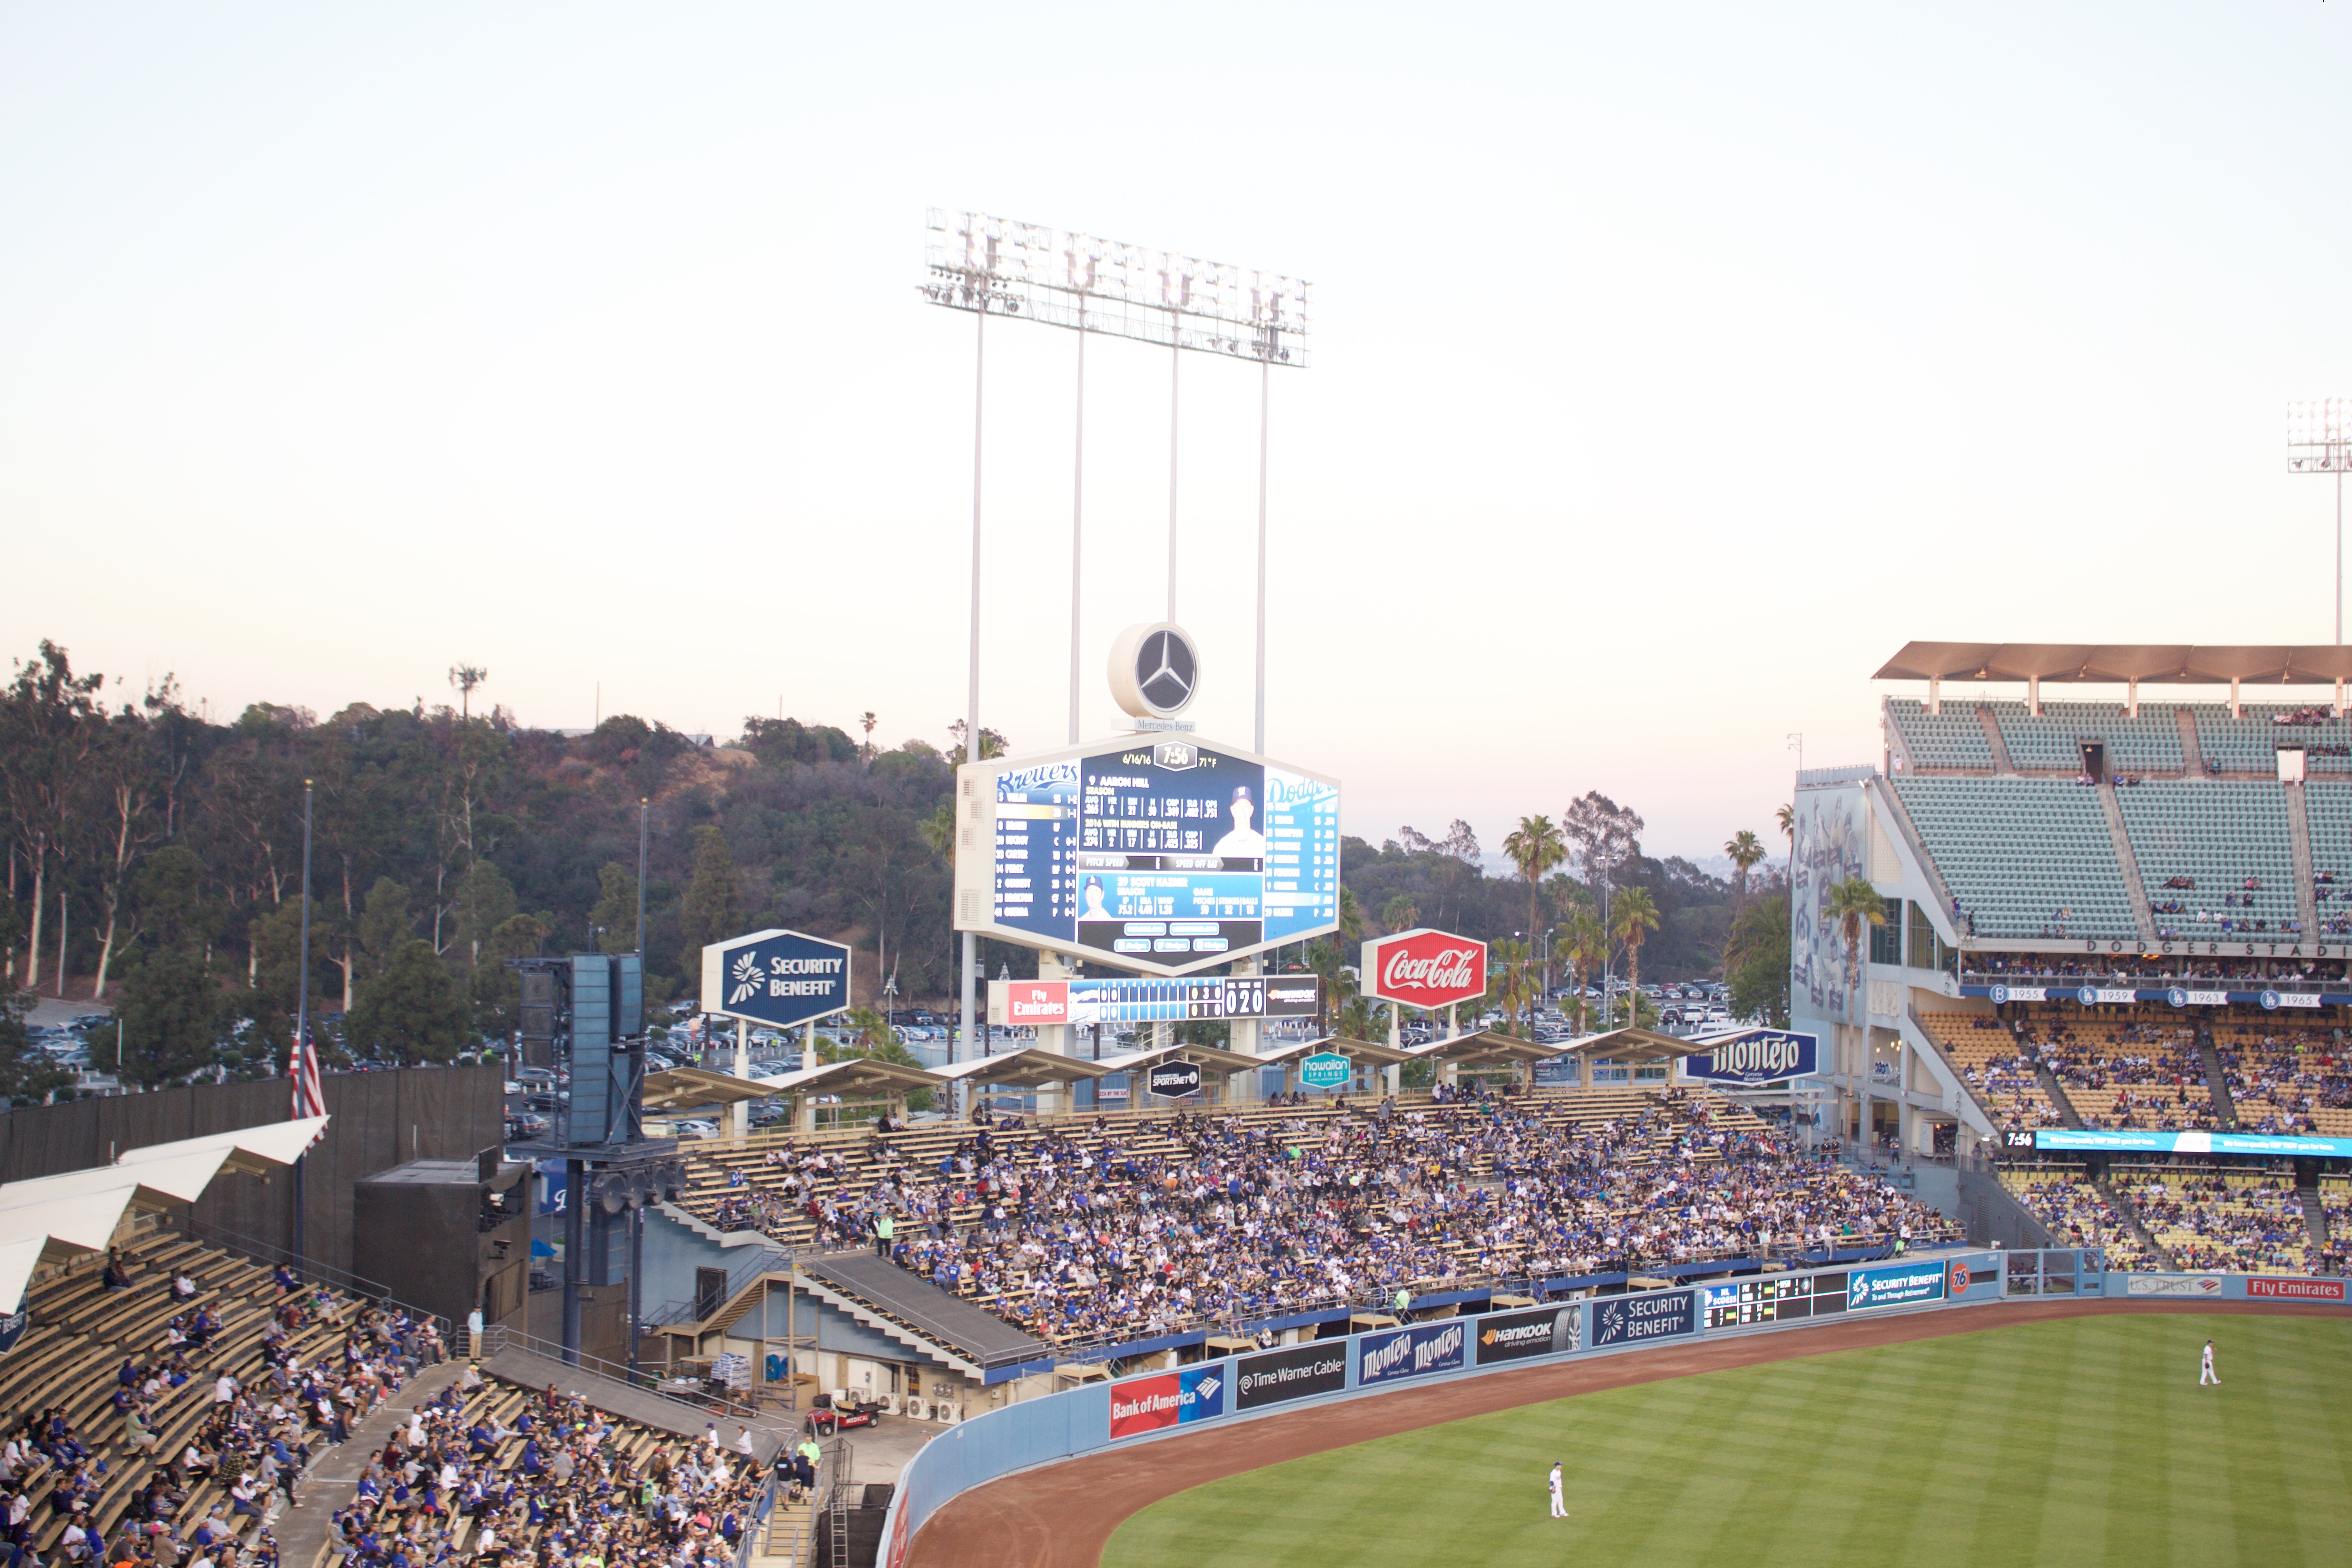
x=1408, y=1353
x=1143, y=1404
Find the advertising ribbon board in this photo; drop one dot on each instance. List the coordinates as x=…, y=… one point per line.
x=1294, y=1373
x=1896, y=1285
x=1409, y=1353
x=1633, y=1319
x=1515, y=1336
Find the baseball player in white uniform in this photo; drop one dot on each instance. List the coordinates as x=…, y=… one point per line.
x=1559, y=1502
x=2205, y=1374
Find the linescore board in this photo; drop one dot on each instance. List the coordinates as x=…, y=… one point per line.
x=1159, y=856
x=1775, y=1300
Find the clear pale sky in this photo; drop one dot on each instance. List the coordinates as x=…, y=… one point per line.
x=1672, y=365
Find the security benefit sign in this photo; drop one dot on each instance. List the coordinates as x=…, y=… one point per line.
x=1143, y=1404
x=1896, y=1285
x=778, y=977
x=1755, y=1056
x=1634, y=1320
x=1410, y=1352
x=1294, y=1373
x=1515, y=1336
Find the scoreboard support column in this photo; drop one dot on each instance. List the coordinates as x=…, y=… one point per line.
x=1054, y=1037
x=1243, y=1036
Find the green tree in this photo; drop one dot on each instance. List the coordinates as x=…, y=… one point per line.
x=411, y=1012
x=1785, y=818
x=484, y=901
x=1398, y=913
x=27, y=1075
x=1534, y=848
x=49, y=723
x=1854, y=905
x=169, y=892
x=871, y=1038
x=169, y=1018
x=1514, y=980
x=1583, y=947
x=714, y=899
x=497, y=990
x=1635, y=917
x=1746, y=850
x=616, y=914
x=385, y=924
x=1756, y=964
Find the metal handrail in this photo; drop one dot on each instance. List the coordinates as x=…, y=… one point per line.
x=501, y=1337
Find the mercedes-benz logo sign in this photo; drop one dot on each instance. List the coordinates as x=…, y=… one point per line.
x=1155, y=670
x=1168, y=659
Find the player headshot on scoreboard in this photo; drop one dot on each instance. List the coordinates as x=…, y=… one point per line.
x=1245, y=842
x=1093, y=893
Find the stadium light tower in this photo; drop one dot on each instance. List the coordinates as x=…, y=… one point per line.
x=999, y=266
x=2319, y=441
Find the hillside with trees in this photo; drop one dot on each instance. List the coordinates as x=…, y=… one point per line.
x=155, y=865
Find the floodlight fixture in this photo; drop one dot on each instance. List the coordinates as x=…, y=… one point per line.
x=1001, y=266
x=2319, y=441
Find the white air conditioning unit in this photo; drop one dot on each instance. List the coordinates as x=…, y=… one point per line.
x=948, y=1410
x=889, y=1404
x=917, y=1409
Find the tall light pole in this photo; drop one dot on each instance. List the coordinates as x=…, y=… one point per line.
x=2319, y=441
x=303, y=1007
x=999, y=266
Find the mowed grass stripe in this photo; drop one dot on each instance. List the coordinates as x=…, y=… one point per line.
x=2084, y=1440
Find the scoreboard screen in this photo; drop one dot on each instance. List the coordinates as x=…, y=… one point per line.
x=1162, y=856
x=1774, y=1298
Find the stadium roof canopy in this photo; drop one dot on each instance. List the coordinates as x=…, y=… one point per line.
x=849, y=1075
x=52, y=1218
x=1210, y=1058
x=1484, y=1048
x=2318, y=664
x=1638, y=1045
x=1029, y=1067
x=683, y=1088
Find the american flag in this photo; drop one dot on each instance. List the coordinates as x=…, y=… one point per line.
x=310, y=1094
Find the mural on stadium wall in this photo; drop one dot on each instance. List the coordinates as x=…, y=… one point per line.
x=1832, y=829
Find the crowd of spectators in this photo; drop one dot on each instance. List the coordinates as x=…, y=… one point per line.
x=2079, y=1215
x=1093, y=1232
x=2205, y=1220
x=2168, y=969
x=565, y=1485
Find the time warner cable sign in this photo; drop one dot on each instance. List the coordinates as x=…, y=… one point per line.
x=778, y=977
x=1755, y=1056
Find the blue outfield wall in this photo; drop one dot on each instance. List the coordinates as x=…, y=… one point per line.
x=1147, y=1406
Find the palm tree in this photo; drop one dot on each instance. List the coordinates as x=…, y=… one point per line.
x=1854, y=904
x=1744, y=850
x=1512, y=970
x=1398, y=913
x=1635, y=917
x=1535, y=846
x=1582, y=945
x=1787, y=817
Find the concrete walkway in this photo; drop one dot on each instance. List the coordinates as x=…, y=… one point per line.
x=301, y=1529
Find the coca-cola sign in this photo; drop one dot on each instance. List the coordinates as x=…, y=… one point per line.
x=1425, y=968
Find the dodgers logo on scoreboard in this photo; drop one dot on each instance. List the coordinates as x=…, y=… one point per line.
x=1755, y=1056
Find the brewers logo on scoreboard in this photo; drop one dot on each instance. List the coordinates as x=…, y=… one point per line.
x=1162, y=856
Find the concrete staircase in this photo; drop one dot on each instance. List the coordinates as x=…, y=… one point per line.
x=2217, y=1079
x=2298, y=827
x=2001, y=763
x=2142, y=916
x=789, y=1538
x=2192, y=759
x=2057, y=1093
x=2131, y=1221
x=2314, y=1216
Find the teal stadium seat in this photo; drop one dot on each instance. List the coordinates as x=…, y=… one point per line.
x=1952, y=738
x=2015, y=851
x=2219, y=833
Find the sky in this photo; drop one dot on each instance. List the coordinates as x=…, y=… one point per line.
x=1671, y=366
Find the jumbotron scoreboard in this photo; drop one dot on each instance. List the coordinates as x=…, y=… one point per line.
x=1158, y=856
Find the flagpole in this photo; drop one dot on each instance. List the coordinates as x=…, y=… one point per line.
x=300, y=1060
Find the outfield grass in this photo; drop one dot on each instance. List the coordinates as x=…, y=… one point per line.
x=2082, y=1440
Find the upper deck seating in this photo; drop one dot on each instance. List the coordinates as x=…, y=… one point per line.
x=2221, y=837
x=2027, y=859
x=1952, y=738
